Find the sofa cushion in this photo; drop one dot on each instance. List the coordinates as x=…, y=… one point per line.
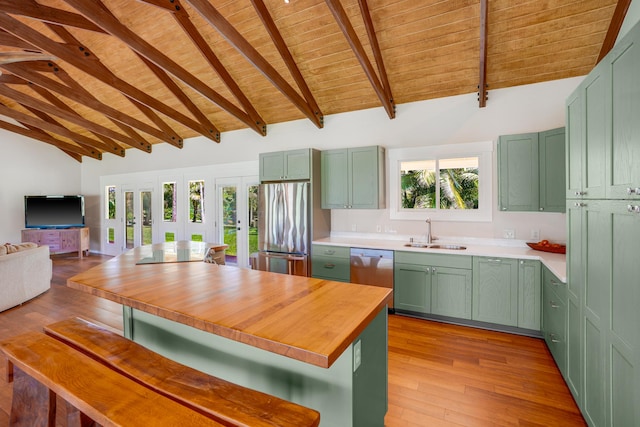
x=19, y=247
x=3, y=250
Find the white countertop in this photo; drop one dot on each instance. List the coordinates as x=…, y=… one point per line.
x=505, y=248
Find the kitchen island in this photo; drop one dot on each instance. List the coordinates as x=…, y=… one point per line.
x=318, y=343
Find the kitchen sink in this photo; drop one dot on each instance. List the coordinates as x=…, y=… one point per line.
x=428, y=246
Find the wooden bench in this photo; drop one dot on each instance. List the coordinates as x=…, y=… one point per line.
x=76, y=356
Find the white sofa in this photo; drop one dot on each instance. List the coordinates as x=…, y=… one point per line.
x=25, y=272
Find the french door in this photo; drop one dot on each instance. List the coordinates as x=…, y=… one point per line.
x=237, y=219
x=138, y=216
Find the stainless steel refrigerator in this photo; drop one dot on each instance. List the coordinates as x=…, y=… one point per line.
x=284, y=233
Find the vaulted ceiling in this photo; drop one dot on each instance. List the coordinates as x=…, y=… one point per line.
x=101, y=76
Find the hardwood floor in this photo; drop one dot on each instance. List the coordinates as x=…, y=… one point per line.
x=439, y=374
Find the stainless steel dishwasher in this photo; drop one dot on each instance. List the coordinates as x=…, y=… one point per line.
x=372, y=267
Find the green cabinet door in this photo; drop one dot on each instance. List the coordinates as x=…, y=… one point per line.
x=596, y=138
x=334, y=178
x=554, y=318
x=574, y=143
x=518, y=172
x=624, y=172
x=353, y=178
x=412, y=288
x=495, y=290
x=451, y=292
x=289, y=165
x=366, y=178
x=551, y=145
x=623, y=341
x=529, y=294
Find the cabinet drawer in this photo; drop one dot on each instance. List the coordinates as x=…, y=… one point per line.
x=439, y=260
x=331, y=268
x=555, y=325
x=330, y=251
x=554, y=284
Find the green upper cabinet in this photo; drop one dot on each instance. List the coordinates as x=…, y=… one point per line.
x=531, y=171
x=587, y=124
x=623, y=173
x=551, y=149
x=292, y=165
x=353, y=178
x=495, y=290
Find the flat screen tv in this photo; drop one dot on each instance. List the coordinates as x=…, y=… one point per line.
x=53, y=211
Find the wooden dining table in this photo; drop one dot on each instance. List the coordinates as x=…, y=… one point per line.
x=319, y=343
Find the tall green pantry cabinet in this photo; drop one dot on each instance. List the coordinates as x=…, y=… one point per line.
x=603, y=215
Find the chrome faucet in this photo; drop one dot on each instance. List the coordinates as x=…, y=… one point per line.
x=428, y=235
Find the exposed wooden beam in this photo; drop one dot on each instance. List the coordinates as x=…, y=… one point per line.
x=8, y=57
x=350, y=34
x=377, y=53
x=7, y=39
x=47, y=118
x=51, y=127
x=482, y=84
x=280, y=44
x=77, y=93
x=99, y=14
x=54, y=100
x=37, y=104
x=83, y=59
x=32, y=9
x=70, y=39
x=39, y=135
x=217, y=21
x=614, y=28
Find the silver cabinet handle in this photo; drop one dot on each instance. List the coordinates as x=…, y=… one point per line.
x=631, y=191
x=329, y=265
x=329, y=252
x=555, y=283
x=427, y=270
x=433, y=270
x=553, y=304
x=494, y=260
x=633, y=209
x=580, y=193
x=553, y=338
x=541, y=209
x=579, y=205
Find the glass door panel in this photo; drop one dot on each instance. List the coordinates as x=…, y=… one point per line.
x=129, y=220
x=230, y=223
x=146, y=231
x=252, y=214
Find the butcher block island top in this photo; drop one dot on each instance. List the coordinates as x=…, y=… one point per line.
x=307, y=319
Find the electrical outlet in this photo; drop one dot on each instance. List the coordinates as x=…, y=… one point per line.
x=354, y=227
x=509, y=233
x=535, y=235
x=378, y=228
x=357, y=355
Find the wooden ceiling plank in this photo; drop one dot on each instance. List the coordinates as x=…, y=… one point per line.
x=286, y=55
x=99, y=14
x=182, y=97
x=482, y=84
x=377, y=54
x=190, y=29
x=77, y=93
x=72, y=117
x=51, y=127
x=84, y=61
x=347, y=29
x=32, y=9
x=35, y=133
x=142, y=144
x=217, y=21
x=614, y=27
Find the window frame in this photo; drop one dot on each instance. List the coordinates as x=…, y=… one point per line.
x=483, y=150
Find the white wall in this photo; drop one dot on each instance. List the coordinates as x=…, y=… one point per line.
x=443, y=121
x=30, y=167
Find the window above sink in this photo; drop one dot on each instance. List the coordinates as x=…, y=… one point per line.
x=445, y=182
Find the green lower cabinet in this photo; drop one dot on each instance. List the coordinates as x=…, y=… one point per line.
x=451, y=292
x=554, y=320
x=412, y=288
x=495, y=290
x=331, y=263
x=529, y=294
